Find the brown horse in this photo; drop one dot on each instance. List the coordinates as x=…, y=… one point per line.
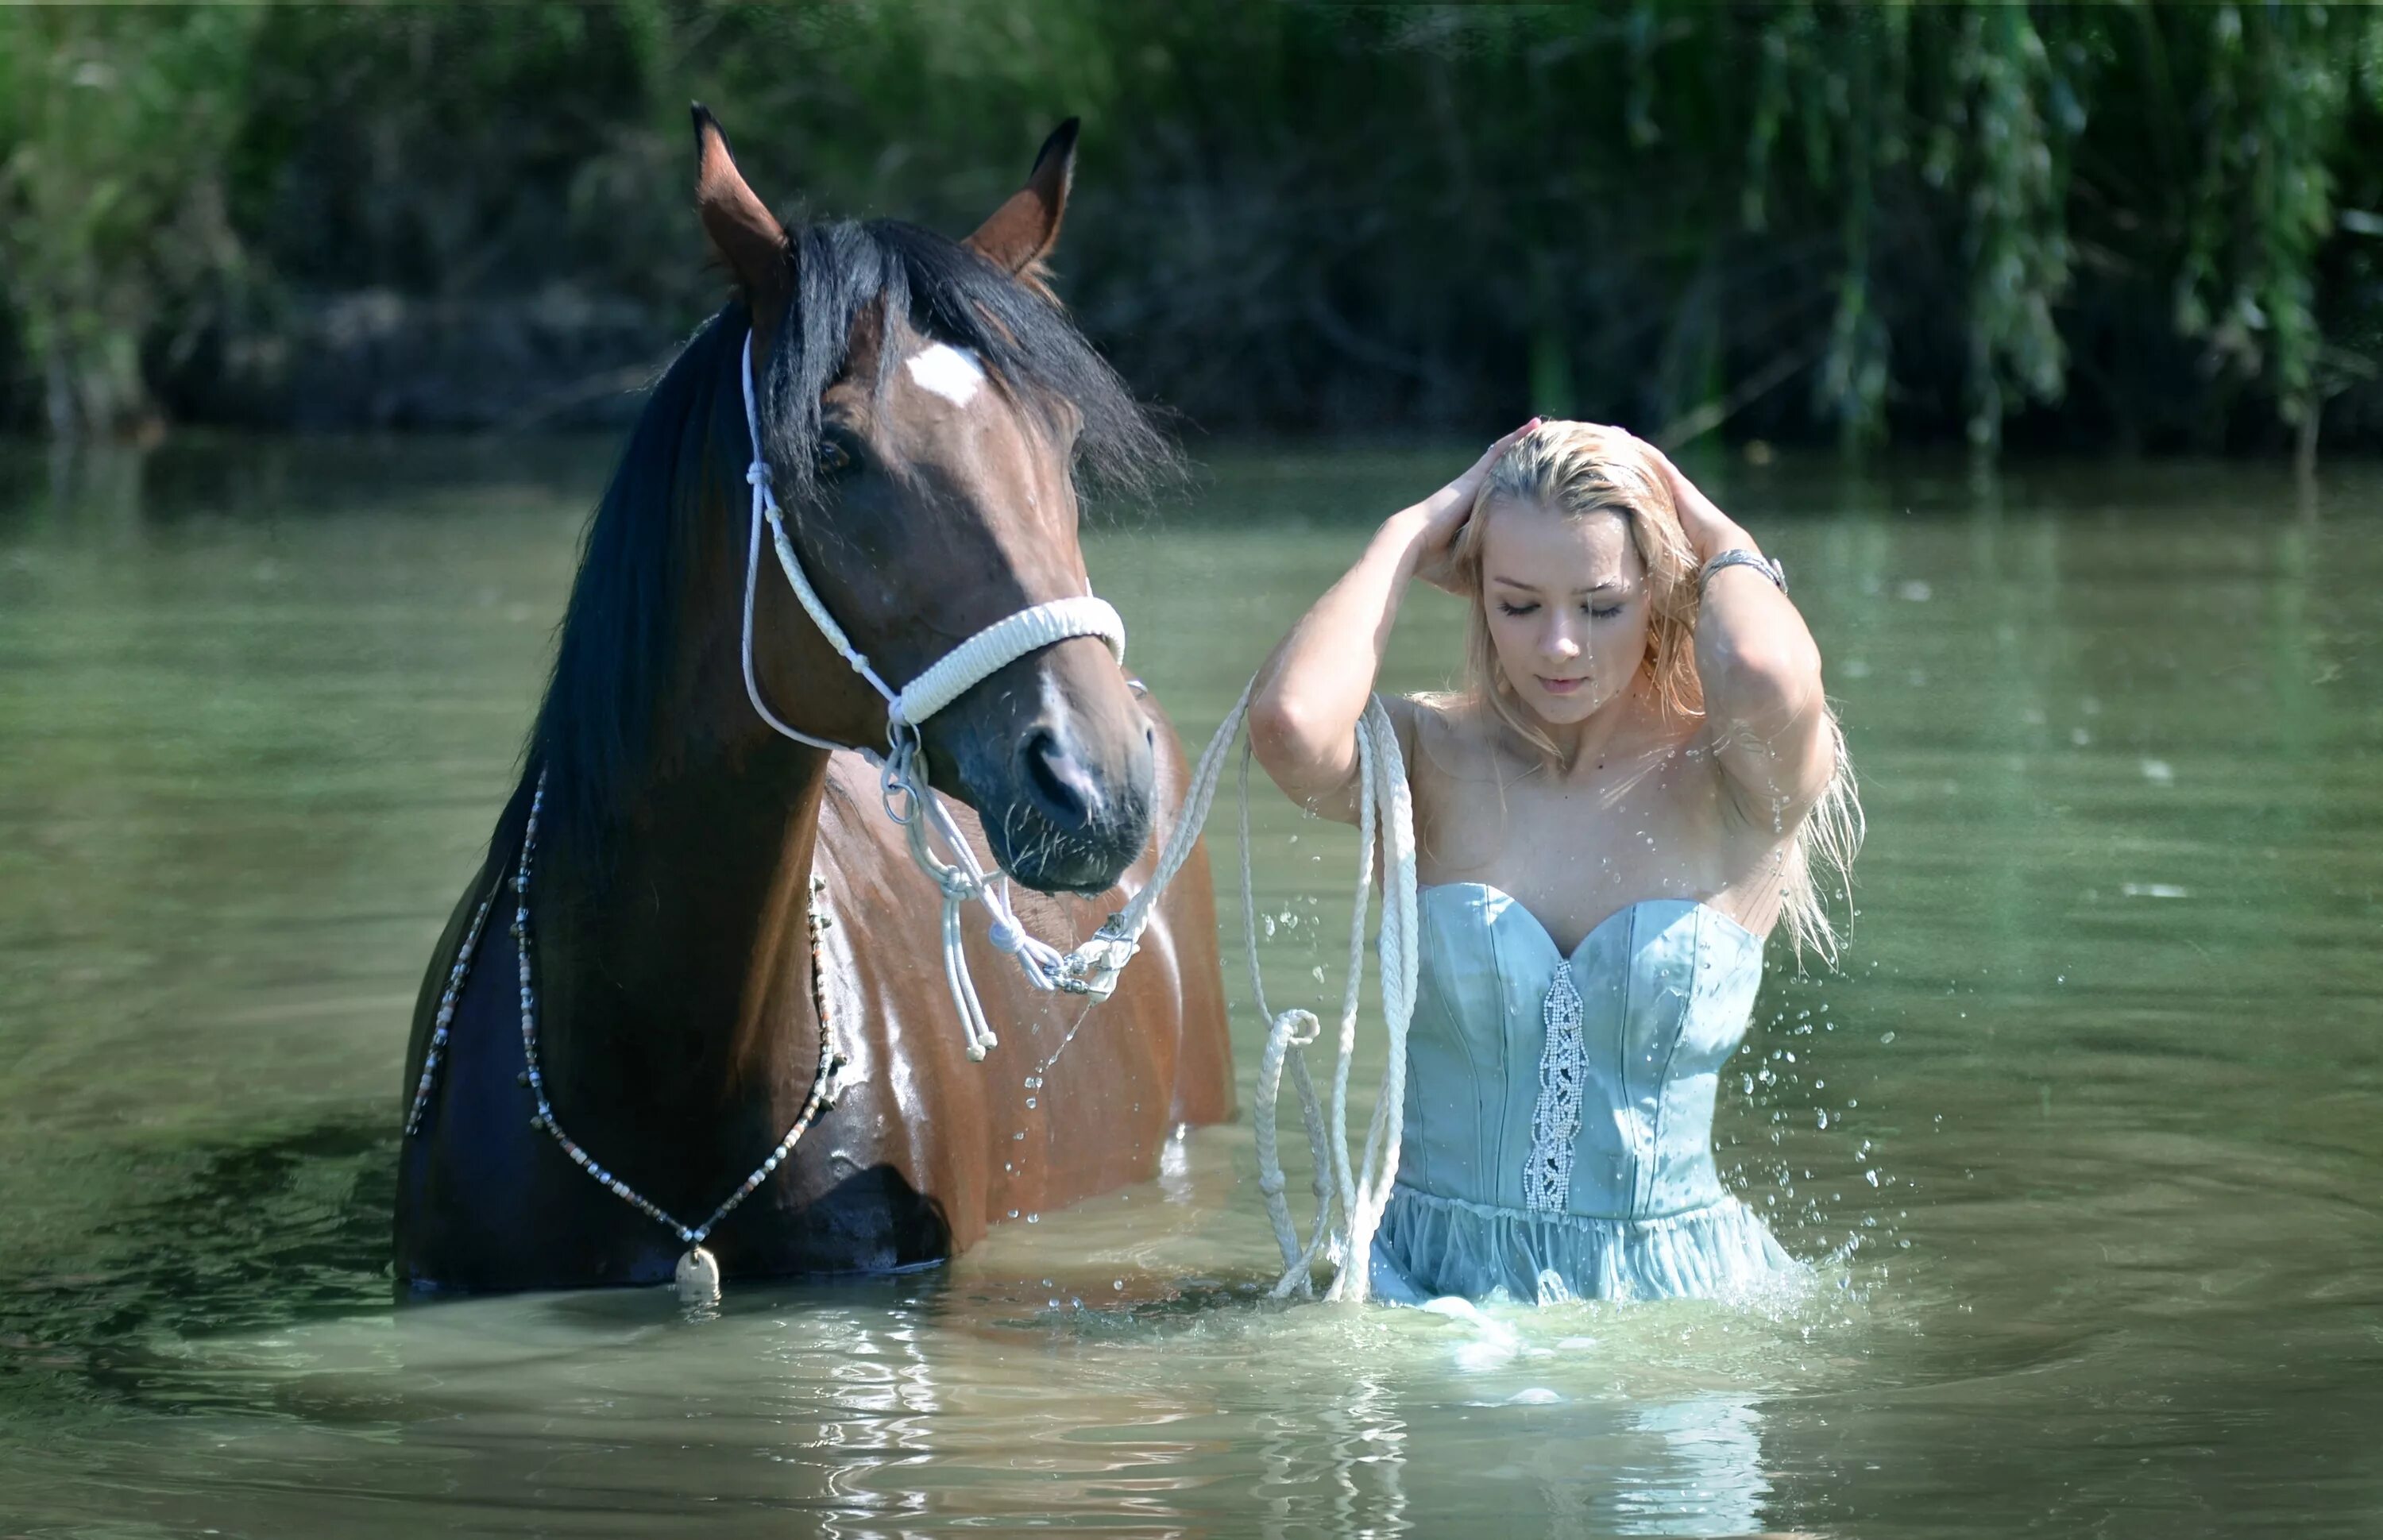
x=683, y=843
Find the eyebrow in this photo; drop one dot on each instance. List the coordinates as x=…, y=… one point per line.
x=1518, y=583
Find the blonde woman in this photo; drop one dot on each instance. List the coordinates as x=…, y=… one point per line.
x=1640, y=781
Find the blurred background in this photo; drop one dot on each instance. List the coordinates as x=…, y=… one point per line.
x=2124, y=227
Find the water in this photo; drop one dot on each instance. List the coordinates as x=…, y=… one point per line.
x=2085, y=1139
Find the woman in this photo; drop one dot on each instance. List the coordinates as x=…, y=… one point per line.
x=1641, y=779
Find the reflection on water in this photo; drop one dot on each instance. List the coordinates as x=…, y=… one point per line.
x=2084, y=1139
x=1711, y=1482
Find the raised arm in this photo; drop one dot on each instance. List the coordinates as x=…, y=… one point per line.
x=1314, y=687
x=1760, y=670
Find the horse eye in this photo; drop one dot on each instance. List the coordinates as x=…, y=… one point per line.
x=833, y=457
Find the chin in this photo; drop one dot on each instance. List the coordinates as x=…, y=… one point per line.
x=1564, y=710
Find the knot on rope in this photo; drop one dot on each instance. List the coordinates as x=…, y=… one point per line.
x=1287, y=1026
x=758, y=474
x=1092, y=967
x=1006, y=935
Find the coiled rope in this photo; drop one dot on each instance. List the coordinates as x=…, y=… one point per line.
x=1349, y=1199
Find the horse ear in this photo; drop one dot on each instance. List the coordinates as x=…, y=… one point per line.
x=1022, y=231
x=747, y=236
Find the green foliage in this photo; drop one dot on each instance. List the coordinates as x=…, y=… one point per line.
x=2073, y=223
x=114, y=126
x=2277, y=79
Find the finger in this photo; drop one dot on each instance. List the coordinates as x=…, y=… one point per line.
x=1684, y=491
x=1503, y=444
x=1670, y=470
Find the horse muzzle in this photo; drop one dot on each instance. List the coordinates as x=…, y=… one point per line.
x=1064, y=815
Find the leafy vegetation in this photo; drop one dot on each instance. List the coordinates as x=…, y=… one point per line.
x=2132, y=224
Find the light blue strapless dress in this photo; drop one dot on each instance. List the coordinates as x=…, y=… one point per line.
x=1559, y=1110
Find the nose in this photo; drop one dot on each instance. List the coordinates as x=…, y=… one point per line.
x=1561, y=645
x=1056, y=782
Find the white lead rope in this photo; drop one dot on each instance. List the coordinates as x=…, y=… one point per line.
x=1359, y=1193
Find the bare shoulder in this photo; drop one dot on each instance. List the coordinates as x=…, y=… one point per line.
x=1425, y=722
x=1444, y=739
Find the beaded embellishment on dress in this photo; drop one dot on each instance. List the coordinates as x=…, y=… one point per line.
x=1555, y=1121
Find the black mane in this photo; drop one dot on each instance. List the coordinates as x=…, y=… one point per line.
x=686, y=458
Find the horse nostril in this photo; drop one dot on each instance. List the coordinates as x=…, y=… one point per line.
x=1062, y=792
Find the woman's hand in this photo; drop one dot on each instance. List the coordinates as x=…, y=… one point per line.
x=1440, y=517
x=1709, y=530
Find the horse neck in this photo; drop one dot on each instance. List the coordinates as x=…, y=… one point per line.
x=676, y=967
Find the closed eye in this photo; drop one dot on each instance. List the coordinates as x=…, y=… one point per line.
x=1606, y=613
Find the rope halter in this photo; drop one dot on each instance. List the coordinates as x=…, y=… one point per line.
x=1091, y=970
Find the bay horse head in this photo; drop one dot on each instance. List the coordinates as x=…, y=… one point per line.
x=921, y=406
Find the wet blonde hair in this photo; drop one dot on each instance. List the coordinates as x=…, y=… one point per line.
x=1579, y=469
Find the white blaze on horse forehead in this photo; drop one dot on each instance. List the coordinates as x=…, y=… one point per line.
x=952, y=373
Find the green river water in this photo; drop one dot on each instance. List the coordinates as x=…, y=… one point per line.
x=2085, y=1137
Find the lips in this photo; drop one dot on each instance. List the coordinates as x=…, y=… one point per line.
x=1559, y=687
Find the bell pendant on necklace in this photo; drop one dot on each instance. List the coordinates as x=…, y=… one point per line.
x=699, y=1277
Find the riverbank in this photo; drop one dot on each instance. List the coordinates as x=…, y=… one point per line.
x=2154, y=228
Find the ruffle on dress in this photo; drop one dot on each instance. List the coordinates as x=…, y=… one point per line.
x=1429, y=1246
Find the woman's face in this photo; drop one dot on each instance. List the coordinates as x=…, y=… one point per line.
x=1567, y=605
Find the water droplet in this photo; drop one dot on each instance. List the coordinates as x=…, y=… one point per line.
x=1035, y=1219
x=1118, y=1284
x=1030, y=1103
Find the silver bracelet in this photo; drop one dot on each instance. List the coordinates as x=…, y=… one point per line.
x=1740, y=557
